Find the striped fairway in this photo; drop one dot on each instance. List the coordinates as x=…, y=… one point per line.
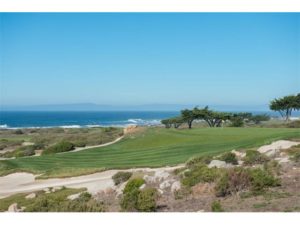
x=152, y=148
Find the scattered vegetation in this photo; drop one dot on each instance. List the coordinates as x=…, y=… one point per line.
x=135, y=199
x=146, y=201
x=133, y=184
x=121, y=177
x=229, y=157
x=199, y=173
x=63, y=146
x=216, y=207
x=206, y=159
x=254, y=157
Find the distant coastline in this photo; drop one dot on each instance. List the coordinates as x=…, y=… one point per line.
x=88, y=119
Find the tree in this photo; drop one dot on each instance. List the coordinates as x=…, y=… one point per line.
x=213, y=118
x=188, y=116
x=167, y=123
x=286, y=105
x=177, y=121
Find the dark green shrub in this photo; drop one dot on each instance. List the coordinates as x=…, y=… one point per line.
x=199, y=159
x=80, y=143
x=229, y=157
x=199, y=173
x=237, y=122
x=18, y=131
x=63, y=146
x=261, y=179
x=216, y=207
x=85, y=196
x=146, y=201
x=129, y=200
x=133, y=184
x=121, y=177
x=254, y=157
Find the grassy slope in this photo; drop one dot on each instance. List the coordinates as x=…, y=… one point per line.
x=154, y=147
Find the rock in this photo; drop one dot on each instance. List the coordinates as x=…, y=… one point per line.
x=142, y=187
x=160, y=191
x=283, y=160
x=129, y=129
x=13, y=208
x=219, y=164
x=47, y=190
x=56, y=188
x=275, y=147
x=74, y=196
x=161, y=175
x=149, y=179
x=165, y=184
x=30, y=196
x=240, y=162
x=238, y=154
x=175, y=186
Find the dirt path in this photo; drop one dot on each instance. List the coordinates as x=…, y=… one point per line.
x=96, y=146
x=26, y=182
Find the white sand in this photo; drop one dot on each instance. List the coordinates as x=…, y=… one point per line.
x=25, y=182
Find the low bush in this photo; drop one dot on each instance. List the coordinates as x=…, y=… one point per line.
x=229, y=157
x=261, y=179
x=200, y=159
x=129, y=200
x=21, y=152
x=216, y=207
x=146, y=201
x=272, y=167
x=80, y=143
x=199, y=173
x=133, y=185
x=18, y=131
x=121, y=177
x=241, y=179
x=254, y=157
x=237, y=122
x=63, y=146
x=232, y=181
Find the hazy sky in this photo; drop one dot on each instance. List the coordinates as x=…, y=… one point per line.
x=226, y=59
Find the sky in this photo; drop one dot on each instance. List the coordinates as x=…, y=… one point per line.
x=148, y=58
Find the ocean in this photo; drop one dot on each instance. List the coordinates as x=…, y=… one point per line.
x=78, y=119
x=67, y=119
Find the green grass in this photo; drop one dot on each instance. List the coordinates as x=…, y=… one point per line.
x=153, y=148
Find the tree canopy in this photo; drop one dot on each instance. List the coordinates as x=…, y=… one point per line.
x=286, y=105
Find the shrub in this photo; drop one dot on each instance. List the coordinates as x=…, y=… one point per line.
x=80, y=143
x=63, y=146
x=183, y=192
x=146, y=201
x=233, y=181
x=261, y=179
x=121, y=177
x=199, y=173
x=229, y=157
x=216, y=207
x=254, y=157
x=18, y=131
x=133, y=184
x=272, y=167
x=129, y=200
x=200, y=159
x=237, y=122
x=296, y=157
